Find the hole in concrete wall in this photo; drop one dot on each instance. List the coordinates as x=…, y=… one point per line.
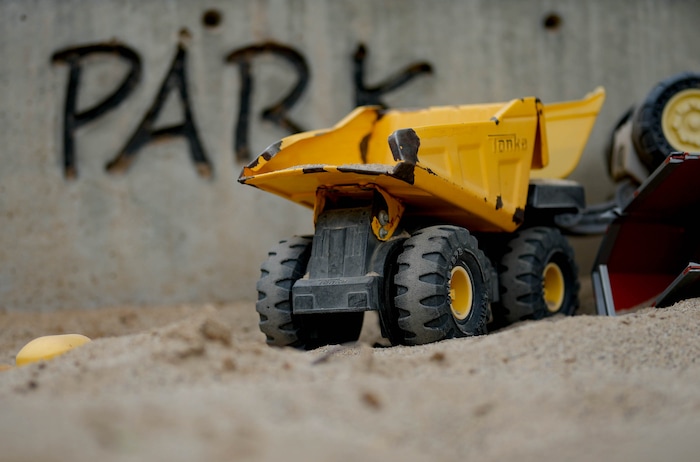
x=552, y=21
x=211, y=18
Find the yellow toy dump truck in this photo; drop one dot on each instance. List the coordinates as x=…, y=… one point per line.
x=442, y=220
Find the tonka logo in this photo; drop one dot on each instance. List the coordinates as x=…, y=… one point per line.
x=331, y=282
x=508, y=143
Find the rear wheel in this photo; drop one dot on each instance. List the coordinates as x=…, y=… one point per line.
x=442, y=286
x=668, y=120
x=286, y=263
x=538, y=277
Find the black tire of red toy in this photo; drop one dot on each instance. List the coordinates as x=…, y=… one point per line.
x=647, y=133
x=286, y=263
x=422, y=285
x=521, y=272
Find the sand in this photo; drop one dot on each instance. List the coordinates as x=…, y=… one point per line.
x=193, y=383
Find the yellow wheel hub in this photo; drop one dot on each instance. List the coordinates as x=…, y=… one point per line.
x=554, y=287
x=461, y=293
x=680, y=120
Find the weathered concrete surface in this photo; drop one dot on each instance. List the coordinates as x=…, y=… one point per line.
x=160, y=233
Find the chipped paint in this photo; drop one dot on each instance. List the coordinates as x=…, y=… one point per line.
x=265, y=157
x=499, y=202
x=313, y=169
x=364, y=145
x=519, y=216
x=366, y=169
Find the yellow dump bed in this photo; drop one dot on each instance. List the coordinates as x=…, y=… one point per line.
x=468, y=165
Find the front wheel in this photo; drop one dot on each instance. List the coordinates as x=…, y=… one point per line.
x=538, y=277
x=442, y=286
x=286, y=263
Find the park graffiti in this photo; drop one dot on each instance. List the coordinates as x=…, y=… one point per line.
x=176, y=80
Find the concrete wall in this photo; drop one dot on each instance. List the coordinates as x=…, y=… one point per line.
x=162, y=232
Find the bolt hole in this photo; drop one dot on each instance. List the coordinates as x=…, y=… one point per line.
x=552, y=22
x=211, y=18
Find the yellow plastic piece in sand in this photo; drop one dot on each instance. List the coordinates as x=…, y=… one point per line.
x=48, y=347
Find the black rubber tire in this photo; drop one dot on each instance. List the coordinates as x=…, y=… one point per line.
x=389, y=314
x=647, y=132
x=422, y=285
x=521, y=276
x=286, y=263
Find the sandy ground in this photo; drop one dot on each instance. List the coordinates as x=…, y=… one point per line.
x=198, y=383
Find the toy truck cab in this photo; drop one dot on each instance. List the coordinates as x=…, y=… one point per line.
x=400, y=199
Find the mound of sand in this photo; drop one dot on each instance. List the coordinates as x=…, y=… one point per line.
x=198, y=383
